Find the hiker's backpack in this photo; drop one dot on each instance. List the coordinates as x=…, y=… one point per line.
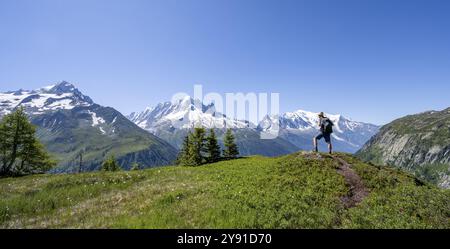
x=327, y=126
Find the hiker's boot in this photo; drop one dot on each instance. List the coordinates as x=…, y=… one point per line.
x=316, y=150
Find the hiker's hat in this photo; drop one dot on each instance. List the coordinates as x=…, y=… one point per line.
x=321, y=115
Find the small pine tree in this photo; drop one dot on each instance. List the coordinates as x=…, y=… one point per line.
x=197, y=148
x=231, y=150
x=212, y=147
x=20, y=151
x=184, y=156
x=110, y=164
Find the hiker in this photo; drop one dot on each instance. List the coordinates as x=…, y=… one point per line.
x=326, y=128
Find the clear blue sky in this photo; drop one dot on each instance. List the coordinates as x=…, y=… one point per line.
x=372, y=61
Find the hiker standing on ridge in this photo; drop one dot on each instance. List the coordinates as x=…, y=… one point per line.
x=326, y=128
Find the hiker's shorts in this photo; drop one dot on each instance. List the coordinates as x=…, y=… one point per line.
x=326, y=136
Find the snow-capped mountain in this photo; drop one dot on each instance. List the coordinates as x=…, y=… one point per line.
x=167, y=119
x=300, y=126
x=172, y=121
x=70, y=123
x=62, y=96
x=184, y=114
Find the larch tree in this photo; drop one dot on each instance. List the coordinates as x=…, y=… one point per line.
x=21, y=153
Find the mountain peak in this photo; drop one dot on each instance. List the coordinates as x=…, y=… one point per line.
x=62, y=95
x=187, y=101
x=185, y=112
x=64, y=84
x=61, y=87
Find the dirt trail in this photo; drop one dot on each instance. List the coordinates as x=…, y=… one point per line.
x=357, y=189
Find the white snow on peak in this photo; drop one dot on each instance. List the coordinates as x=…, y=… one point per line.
x=309, y=121
x=182, y=114
x=312, y=118
x=43, y=99
x=189, y=113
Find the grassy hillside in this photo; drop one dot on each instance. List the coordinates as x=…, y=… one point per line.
x=301, y=190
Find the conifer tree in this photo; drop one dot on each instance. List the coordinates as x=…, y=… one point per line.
x=110, y=164
x=20, y=151
x=184, y=156
x=212, y=147
x=231, y=150
x=197, y=147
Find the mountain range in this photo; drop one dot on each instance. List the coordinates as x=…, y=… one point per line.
x=300, y=126
x=74, y=128
x=171, y=122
